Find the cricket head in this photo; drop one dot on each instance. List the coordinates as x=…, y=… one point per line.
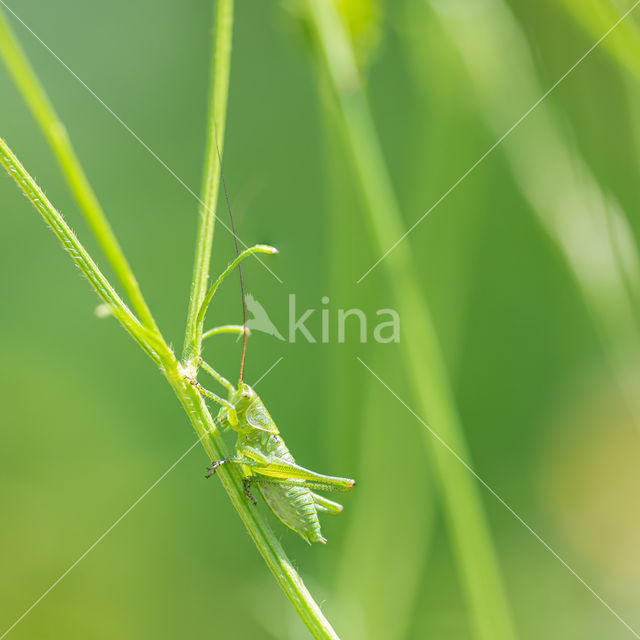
x=250, y=412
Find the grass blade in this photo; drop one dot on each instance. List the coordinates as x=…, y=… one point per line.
x=426, y=371
x=56, y=134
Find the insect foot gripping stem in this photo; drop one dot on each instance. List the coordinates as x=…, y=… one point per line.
x=246, y=483
x=231, y=414
x=214, y=467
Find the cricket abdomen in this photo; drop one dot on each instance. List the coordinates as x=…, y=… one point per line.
x=295, y=508
x=292, y=505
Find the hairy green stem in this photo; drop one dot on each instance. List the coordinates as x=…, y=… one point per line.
x=189, y=397
x=219, y=91
x=423, y=358
x=147, y=339
x=269, y=547
x=56, y=134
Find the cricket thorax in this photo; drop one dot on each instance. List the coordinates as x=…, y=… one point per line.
x=270, y=444
x=252, y=415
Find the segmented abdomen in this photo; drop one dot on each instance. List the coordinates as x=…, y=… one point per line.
x=293, y=505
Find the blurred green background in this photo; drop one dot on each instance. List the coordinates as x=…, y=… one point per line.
x=529, y=265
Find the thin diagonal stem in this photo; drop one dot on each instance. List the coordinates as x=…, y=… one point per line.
x=56, y=134
x=144, y=336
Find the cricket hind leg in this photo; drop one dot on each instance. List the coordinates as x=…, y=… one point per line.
x=297, y=482
x=324, y=505
x=279, y=469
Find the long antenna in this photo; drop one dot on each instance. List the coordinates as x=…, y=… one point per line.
x=235, y=239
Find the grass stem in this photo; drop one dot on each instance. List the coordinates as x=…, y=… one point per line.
x=144, y=336
x=219, y=91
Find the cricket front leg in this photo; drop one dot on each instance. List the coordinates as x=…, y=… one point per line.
x=216, y=376
x=231, y=410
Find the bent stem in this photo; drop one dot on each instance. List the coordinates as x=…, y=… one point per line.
x=467, y=522
x=227, y=328
x=195, y=348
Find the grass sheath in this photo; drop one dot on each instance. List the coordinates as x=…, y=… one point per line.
x=144, y=329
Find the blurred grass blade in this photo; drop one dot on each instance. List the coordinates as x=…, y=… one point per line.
x=588, y=226
x=368, y=608
x=597, y=16
x=78, y=253
x=426, y=370
x=374, y=608
x=56, y=134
